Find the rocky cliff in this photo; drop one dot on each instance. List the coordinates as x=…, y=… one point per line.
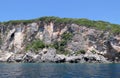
x=51, y=39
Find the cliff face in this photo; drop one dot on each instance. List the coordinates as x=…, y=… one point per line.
x=68, y=39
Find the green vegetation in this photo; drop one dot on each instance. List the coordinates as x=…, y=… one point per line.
x=67, y=36
x=101, y=25
x=93, y=51
x=35, y=45
x=80, y=52
x=15, y=22
x=38, y=44
x=60, y=46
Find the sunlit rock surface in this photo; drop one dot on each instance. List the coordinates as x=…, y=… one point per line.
x=99, y=46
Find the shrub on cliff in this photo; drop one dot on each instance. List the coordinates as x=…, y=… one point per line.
x=60, y=45
x=67, y=36
x=80, y=52
x=35, y=45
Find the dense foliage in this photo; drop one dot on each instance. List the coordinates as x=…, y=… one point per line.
x=35, y=45
x=101, y=25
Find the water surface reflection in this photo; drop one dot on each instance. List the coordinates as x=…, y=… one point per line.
x=51, y=70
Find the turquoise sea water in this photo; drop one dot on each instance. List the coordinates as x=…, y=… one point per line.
x=51, y=70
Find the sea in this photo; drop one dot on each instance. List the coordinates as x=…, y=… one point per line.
x=59, y=70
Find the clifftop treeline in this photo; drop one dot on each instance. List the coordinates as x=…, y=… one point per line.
x=54, y=39
x=100, y=25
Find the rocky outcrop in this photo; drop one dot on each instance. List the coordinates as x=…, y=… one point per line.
x=49, y=55
x=98, y=46
x=5, y=56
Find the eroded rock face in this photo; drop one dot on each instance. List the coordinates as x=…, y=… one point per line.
x=18, y=41
x=78, y=43
x=48, y=55
x=15, y=38
x=4, y=56
x=20, y=35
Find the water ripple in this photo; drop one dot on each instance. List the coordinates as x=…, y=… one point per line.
x=51, y=70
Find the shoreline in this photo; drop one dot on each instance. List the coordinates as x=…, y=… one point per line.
x=53, y=63
x=52, y=57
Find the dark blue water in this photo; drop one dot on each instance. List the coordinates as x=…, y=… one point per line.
x=50, y=70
